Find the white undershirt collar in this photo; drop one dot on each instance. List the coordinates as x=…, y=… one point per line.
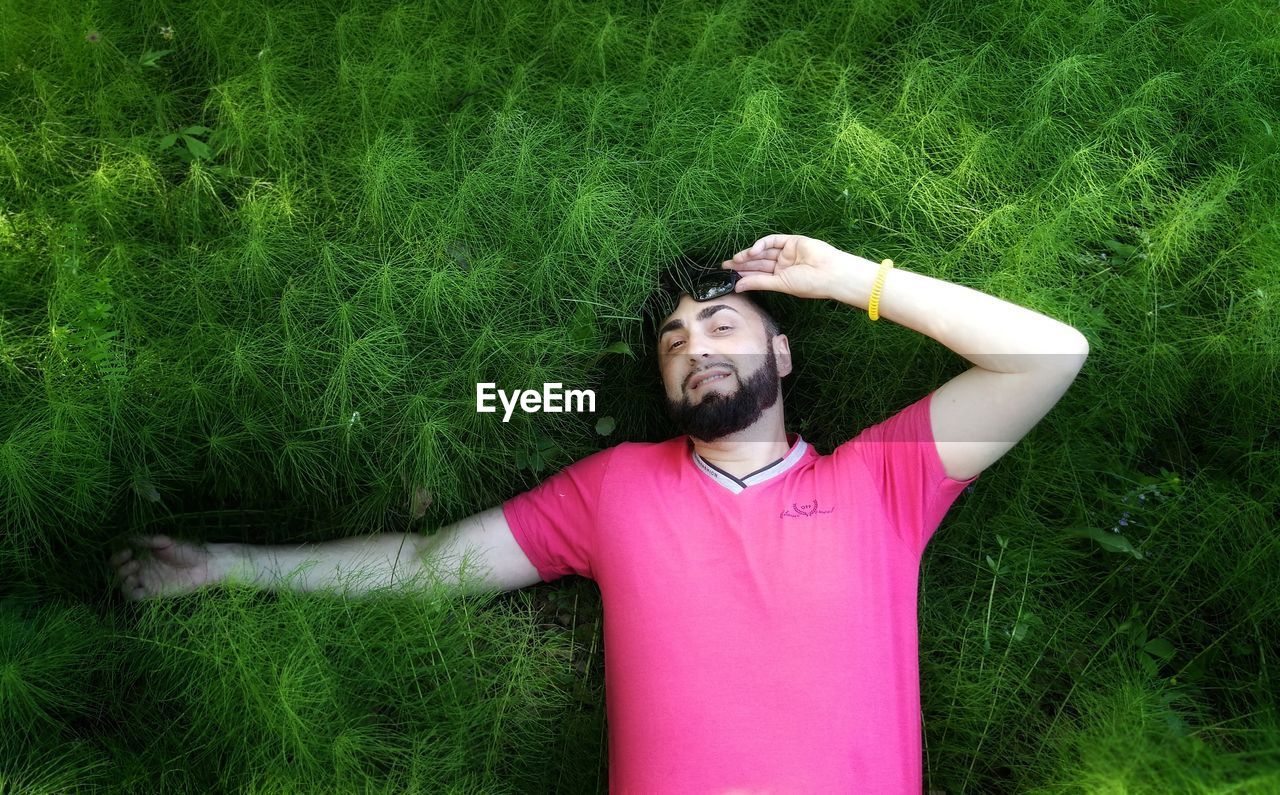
x=739, y=485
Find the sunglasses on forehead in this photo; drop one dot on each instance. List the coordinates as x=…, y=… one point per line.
x=714, y=284
x=694, y=276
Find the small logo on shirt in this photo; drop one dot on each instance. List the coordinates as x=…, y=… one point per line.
x=805, y=509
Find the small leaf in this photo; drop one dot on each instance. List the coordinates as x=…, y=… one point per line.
x=583, y=325
x=1160, y=648
x=1002, y=541
x=991, y=563
x=1112, y=542
x=1149, y=665
x=605, y=425
x=522, y=460
x=168, y=140
x=418, y=502
x=618, y=347
x=149, y=58
x=1025, y=622
x=1121, y=249
x=196, y=129
x=1241, y=649
x=1177, y=725
x=458, y=251
x=198, y=148
x=1195, y=669
x=145, y=490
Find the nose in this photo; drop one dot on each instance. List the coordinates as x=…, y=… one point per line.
x=698, y=347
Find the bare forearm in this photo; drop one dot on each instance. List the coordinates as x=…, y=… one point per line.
x=352, y=566
x=988, y=331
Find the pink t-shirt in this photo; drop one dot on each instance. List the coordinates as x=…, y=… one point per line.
x=759, y=634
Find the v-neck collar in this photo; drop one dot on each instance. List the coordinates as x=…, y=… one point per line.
x=739, y=485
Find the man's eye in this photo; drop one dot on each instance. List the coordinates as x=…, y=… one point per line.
x=720, y=327
x=673, y=345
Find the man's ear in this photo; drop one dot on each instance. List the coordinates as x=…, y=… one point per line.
x=782, y=350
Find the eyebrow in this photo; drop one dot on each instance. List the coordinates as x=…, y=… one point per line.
x=676, y=325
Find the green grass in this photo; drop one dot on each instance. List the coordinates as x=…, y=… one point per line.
x=217, y=249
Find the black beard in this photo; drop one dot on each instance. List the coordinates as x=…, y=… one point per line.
x=719, y=414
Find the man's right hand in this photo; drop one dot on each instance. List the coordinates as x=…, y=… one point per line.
x=172, y=568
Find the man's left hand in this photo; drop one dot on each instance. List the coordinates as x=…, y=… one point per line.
x=795, y=265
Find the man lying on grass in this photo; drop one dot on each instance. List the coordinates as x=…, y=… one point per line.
x=759, y=596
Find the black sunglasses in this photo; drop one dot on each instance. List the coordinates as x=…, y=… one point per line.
x=714, y=284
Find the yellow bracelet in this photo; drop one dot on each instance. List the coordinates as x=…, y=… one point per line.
x=873, y=306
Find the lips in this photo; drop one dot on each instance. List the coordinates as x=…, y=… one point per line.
x=706, y=375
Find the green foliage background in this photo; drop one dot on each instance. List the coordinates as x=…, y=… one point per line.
x=252, y=267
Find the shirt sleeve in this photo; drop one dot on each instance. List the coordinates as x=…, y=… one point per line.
x=555, y=522
x=902, y=458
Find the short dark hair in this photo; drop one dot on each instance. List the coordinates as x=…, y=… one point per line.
x=676, y=280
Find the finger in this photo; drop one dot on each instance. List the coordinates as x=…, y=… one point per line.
x=767, y=242
x=152, y=542
x=752, y=254
x=758, y=281
x=766, y=265
x=755, y=252
x=121, y=556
